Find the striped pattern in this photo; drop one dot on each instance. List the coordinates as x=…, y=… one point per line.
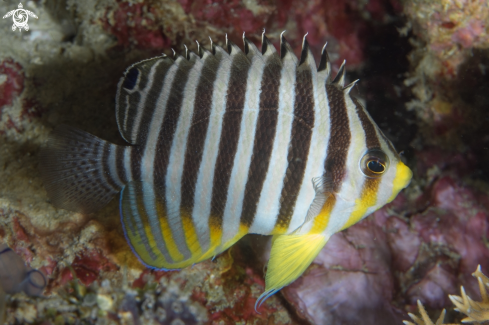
x=224, y=143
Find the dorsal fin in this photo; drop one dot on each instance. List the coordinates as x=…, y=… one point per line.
x=200, y=51
x=307, y=59
x=324, y=69
x=250, y=49
x=286, y=52
x=187, y=54
x=192, y=56
x=229, y=45
x=339, y=80
x=267, y=47
x=212, y=49
x=232, y=48
x=349, y=87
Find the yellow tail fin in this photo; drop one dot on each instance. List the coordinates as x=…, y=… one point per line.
x=289, y=258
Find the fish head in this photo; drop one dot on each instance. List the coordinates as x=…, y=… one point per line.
x=377, y=178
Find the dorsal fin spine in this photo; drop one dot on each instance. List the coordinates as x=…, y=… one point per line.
x=340, y=77
x=246, y=43
x=305, y=50
x=200, y=51
x=324, y=68
x=285, y=50
x=350, y=86
x=187, y=54
x=213, y=49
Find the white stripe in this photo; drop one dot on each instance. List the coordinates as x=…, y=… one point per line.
x=385, y=188
x=127, y=163
x=242, y=158
x=113, y=165
x=142, y=103
x=103, y=173
x=179, y=145
x=269, y=203
x=205, y=179
x=147, y=161
x=317, y=153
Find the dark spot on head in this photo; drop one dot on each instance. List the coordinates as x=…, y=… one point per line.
x=130, y=78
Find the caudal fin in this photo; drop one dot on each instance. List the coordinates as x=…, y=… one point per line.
x=79, y=170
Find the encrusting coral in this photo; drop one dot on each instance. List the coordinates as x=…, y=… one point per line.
x=476, y=312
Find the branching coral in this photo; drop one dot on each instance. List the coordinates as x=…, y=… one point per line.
x=475, y=311
x=425, y=319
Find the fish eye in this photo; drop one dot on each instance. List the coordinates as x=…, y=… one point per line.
x=374, y=163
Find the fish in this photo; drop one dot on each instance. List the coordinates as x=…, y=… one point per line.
x=225, y=142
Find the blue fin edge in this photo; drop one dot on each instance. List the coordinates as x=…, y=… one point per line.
x=129, y=242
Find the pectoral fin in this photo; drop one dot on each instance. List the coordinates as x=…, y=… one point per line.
x=289, y=258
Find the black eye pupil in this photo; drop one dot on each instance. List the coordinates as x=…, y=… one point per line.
x=375, y=166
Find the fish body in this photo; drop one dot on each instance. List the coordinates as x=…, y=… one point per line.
x=227, y=142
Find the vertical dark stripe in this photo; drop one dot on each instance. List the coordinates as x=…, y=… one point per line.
x=229, y=136
x=299, y=146
x=148, y=112
x=340, y=138
x=169, y=125
x=370, y=135
x=263, y=141
x=119, y=161
x=106, y=167
x=198, y=131
x=165, y=140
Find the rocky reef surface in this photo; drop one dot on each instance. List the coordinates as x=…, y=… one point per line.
x=424, y=70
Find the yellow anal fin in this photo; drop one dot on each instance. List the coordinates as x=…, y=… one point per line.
x=289, y=258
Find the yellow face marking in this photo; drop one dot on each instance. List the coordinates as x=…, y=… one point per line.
x=191, y=237
x=322, y=220
x=368, y=198
x=166, y=232
x=402, y=179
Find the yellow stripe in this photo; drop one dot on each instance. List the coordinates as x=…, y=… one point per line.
x=166, y=232
x=322, y=220
x=191, y=237
x=368, y=198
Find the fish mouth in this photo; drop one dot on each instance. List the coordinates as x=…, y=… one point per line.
x=402, y=179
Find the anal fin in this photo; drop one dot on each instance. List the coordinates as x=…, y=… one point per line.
x=162, y=237
x=291, y=255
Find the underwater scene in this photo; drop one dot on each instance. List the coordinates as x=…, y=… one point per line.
x=244, y=162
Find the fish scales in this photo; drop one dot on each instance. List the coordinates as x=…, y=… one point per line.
x=225, y=143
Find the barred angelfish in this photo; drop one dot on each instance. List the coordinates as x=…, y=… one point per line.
x=224, y=143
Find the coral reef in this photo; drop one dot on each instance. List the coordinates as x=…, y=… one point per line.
x=450, y=53
x=432, y=55
x=476, y=312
